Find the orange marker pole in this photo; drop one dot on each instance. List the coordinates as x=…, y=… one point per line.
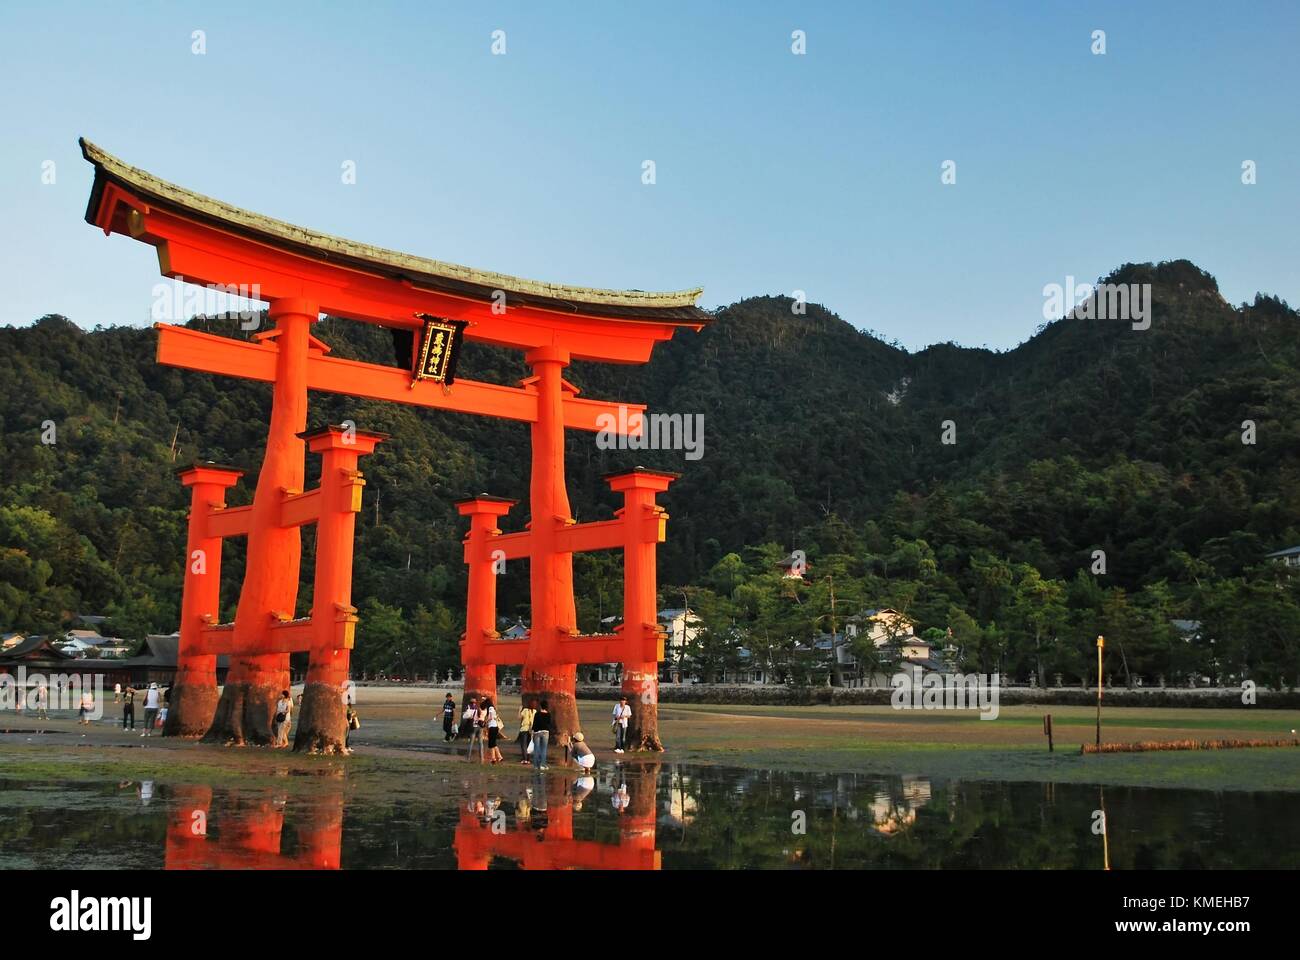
x=1101, y=644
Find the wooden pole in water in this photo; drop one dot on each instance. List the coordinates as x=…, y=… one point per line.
x=1047, y=729
x=1101, y=644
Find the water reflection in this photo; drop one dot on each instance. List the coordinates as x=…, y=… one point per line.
x=246, y=831
x=536, y=830
x=638, y=817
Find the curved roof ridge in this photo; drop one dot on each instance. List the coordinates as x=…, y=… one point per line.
x=165, y=192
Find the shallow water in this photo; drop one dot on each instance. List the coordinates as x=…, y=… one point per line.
x=658, y=816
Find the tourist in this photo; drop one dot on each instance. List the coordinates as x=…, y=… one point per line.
x=494, y=727
x=117, y=693
x=448, y=719
x=283, y=713
x=525, y=738
x=162, y=715
x=152, y=701
x=622, y=714
x=354, y=723
x=87, y=705
x=582, y=755
x=42, y=698
x=128, y=708
x=467, y=718
x=542, y=727
x=477, y=723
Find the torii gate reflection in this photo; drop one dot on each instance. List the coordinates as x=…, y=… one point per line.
x=541, y=838
x=249, y=831
x=247, y=827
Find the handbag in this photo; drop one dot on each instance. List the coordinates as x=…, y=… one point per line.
x=279, y=718
x=354, y=722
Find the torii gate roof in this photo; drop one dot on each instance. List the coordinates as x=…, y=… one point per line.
x=131, y=201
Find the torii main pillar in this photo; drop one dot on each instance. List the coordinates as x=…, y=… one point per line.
x=554, y=617
x=270, y=590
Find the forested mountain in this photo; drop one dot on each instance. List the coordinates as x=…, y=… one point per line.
x=1089, y=436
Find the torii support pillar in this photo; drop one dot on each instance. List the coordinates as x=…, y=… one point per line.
x=193, y=697
x=322, y=724
x=481, y=608
x=270, y=589
x=641, y=633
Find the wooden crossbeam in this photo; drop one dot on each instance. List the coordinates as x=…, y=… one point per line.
x=581, y=537
x=587, y=648
x=291, y=636
x=193, y=350
x=299, y=509
x=229, y=522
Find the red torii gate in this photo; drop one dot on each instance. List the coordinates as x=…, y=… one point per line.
x=304, y=274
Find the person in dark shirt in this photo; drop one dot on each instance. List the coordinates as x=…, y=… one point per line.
x=128, y=708
x=542, y=727
x=448, y=719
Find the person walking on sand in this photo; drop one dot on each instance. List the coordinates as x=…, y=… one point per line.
x=477, y=729
x=87, y=705
x=128, y=708
x=42, y=699
x=494, y=727
x=283, y=713
x=448, y=719
x=525, y=738
x=117, y=693
x=622, y=714
x=542, y=727
x=152, y=700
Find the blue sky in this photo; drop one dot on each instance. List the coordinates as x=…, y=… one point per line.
x=775, y=172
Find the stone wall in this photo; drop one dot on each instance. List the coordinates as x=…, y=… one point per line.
x=784, y=695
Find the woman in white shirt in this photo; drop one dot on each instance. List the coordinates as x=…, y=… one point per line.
x=283, y=712
x=494, y=726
